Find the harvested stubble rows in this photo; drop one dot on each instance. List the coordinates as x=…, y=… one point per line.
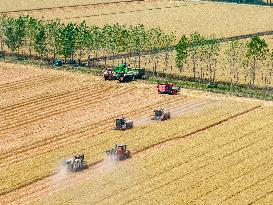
x=46, y=115
x=45, y=121
x=230, y=163
x=139, y=139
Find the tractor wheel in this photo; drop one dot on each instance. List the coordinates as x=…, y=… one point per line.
x=128, y=155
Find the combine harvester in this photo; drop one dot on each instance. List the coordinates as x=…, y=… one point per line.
x=76, y=163
x=123, y=124
x=123, y=73
x=160, y=114
x=109, y=74
x=119, y=153
x=168, y=88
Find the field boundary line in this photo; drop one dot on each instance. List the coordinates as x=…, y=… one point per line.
x=132, y=11
x=71, y=6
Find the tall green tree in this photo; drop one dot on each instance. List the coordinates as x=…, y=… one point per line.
x=235, y=53
x=210, y=52
x=69, y=37
x=31, y=31
x=154, y=43
x=140, y=40
x=15, y=32
x=196, y=43
x=83, y=40
x=54, y=40
x=124, y=43
x=257, y=49
x=108, y=41
x=40, y=37
x=95, y=42
x=182, y=52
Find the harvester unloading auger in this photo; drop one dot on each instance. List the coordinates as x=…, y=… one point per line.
x=160, y=114
x=123, y=124
x=120, y=152
x=76, y=163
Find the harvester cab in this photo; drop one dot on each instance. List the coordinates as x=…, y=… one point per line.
x=120, y=152
x=167, y=88
x=123, y=124
x=76, y=163
x=160, y=114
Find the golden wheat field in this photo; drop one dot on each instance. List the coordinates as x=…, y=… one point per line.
x=227, y=164
x=182, y=17
x=211, y=142
x=215, y=149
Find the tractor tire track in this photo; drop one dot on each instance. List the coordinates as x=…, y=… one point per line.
x=72, y=6
x=96, y=103
x=18, y=138
x=132, y=11
x=47, y=183
x=23, y=81
x=195, y=170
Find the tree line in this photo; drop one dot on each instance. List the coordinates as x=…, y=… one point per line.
x=55, y=39
x=199, y=54
x=202, y=54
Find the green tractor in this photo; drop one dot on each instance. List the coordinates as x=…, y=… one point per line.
x=127, y=74
x=113, y=74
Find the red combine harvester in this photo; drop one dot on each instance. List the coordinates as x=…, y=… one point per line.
x=120, y=152
x=167, y=88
